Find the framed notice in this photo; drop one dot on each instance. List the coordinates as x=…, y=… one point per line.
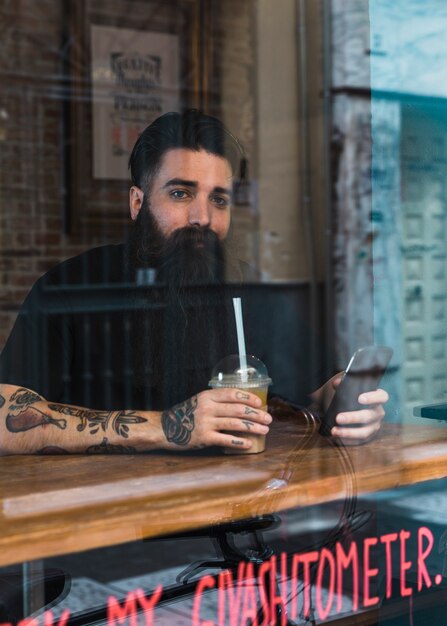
x=135, y=79
x=128, y=62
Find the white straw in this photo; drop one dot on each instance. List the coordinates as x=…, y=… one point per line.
x=240, y=337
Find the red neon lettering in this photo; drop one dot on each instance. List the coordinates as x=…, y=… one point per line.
x=404, y=565
x=368, y=572
x=116, y=613
x=148, y=604
x=307, y=558
x=234, y=597
x=387, y=540
x=206, y=582
x=325, y=556
x=423, y=554
x=294, y=584
x=343, y=562
x=48, y=618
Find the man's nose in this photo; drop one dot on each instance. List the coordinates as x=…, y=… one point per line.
x=199, y=212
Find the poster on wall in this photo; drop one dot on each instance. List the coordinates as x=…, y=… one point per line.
x=135, y=79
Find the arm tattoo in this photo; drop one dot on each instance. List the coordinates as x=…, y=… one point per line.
x=22, y=398
x=109, y=448
x=240, y=395
x=247, y=424
x=121, y=419
x=249, y=411
x=52, y=450
x=29, y=418
x=118, y=420
x=178, y=422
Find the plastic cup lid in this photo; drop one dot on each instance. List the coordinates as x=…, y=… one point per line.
x=229, y=373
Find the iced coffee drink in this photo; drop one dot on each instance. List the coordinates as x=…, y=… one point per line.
x=251, y=377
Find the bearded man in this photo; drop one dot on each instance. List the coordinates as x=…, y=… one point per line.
x=83, y=373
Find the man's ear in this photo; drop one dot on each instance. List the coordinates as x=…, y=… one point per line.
x=136, y=197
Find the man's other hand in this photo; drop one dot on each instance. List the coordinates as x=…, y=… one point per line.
x=367, y=421
x=216, y=417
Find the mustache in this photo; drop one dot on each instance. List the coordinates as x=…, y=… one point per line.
x=189, y=239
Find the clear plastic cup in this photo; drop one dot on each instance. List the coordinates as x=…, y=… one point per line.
x=254, y=379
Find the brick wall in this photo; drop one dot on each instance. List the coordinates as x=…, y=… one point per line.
x=33, y=190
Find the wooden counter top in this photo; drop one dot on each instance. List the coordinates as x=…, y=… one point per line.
x=60, y=504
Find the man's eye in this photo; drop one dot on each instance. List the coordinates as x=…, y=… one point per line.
x=221, y=201
x=179, y=194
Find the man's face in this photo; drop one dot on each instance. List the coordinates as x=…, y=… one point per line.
x=190, y=189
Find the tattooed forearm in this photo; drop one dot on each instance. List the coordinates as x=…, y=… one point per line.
x=240, y=395
x=29, y=418
x=178, y=422
x=249, y=411
x=108, y=448
x=22, y=398
x=27, y=410
x=95, y=420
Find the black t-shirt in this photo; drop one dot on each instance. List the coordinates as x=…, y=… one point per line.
x=88, y=335
x=58, y=344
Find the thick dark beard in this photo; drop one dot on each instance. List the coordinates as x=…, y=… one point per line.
x=184, y=339
x=192, y=256
x=189, y=256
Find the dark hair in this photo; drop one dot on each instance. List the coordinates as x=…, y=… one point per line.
x=193, y=130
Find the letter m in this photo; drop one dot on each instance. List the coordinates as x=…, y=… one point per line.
x=343, y=562
x=125, y=614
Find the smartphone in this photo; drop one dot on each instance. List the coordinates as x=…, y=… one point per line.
x=364, y=373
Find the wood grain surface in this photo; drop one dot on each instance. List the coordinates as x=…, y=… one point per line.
x=60, y=504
